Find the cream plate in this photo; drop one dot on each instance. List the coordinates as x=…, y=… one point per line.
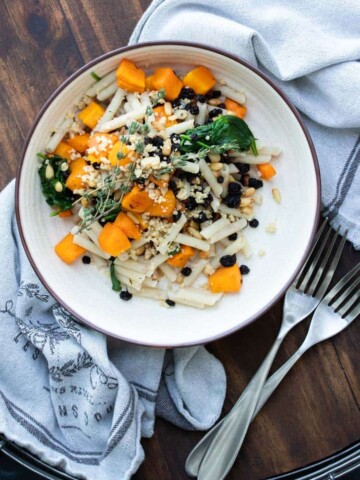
x=87, y=293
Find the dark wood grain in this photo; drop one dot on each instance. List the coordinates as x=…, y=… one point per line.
x=316, y=410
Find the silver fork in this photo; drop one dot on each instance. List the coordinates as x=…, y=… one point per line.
x=301, y=299
x=336, y=311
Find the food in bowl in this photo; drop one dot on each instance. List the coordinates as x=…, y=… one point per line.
x=159, y=177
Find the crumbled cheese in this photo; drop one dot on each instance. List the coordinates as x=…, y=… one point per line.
x=271, y=228
x=150, y=162
x=261, y=252
x=74, y=154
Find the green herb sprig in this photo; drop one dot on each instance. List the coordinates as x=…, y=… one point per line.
x=159, y=96
x=95, y=76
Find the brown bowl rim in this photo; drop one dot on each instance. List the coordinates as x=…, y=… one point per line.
x=200, y=46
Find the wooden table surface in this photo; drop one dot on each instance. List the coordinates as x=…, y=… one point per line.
x=315, y=412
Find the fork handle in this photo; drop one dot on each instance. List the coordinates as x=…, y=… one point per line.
x=276, y=378
x=228, y=438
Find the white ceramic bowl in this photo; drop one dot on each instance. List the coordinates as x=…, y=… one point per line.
x=86, y=293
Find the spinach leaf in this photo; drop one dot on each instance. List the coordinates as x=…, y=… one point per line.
x=60, y=200
x=116, y=284
x=225, y=133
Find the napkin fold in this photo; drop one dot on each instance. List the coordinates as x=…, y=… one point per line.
x=311, y=50
x=79, y=400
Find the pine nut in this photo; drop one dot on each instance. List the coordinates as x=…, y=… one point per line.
x=215, y=101
x=84, y=202
x=215, y=167
x=58, y=187
x=166, y=149
x=180, y=278
x=249, y=192
x=214, y=157
x=194, y=233
x=167, y=108
x=247, y=210
x=194, y=225
x=245, y=202
x=49, y=172
x=276, y=195
x=140, y=250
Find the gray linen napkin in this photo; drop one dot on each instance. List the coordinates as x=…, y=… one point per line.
x=311, y=50
x=77, y=399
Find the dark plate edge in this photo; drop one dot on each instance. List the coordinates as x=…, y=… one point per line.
x=194, y=45
x=329, y=468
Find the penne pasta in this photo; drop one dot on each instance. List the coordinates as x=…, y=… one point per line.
x=101, y=84
x=107, y=92
x=209, y=176
x=228, y=230
x=193, y=242
x=120, y=121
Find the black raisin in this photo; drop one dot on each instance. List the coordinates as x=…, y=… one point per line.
x=190, y=203
x=244, y=269
x=186, y=271
x=96, y=165
x=163, y=157
x=245, y=180
x=194, y=110
x=232, y=201
x=214, y=94
x=194, y=136
x=243, y=167
x=255, y=183
x=157, y=142
x=228, y=260
x=125, y=295
x=233, y=236
x=220, y=179
x=234, y=188
x=172, y=185
x=254, y=223
x=170, y=303
x=175, y=138
x=175, y=142
x=190, y=176
x=221, y=105
x=86, y=259
x=201, y=98
x=176, y=103
x=187, y=92
x=225, y=158
x=201, y=218
x=140, y=180
x=215, y=112
x=207, y=200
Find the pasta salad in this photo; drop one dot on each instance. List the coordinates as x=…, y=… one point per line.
x=159, y=175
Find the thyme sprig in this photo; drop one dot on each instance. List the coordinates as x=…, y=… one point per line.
x=103, y=205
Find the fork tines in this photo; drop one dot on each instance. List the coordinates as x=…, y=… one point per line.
x=344, y=297
x=315, y=277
